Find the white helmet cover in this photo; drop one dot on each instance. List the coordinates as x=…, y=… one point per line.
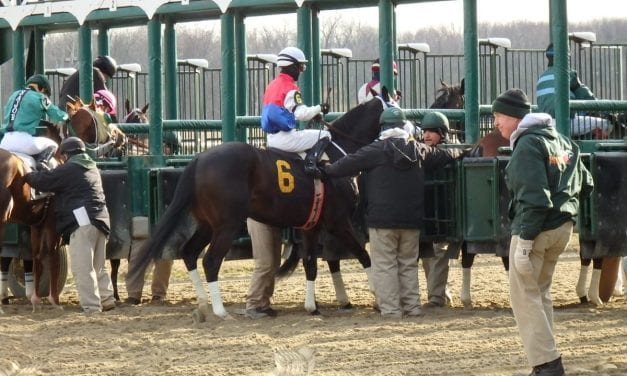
x=291, y=55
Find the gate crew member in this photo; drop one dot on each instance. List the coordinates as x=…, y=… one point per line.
x=22, y=115
x=104, y=67
x=394, y=167
x=545, y=177
x=282, y=107
x=82, y=222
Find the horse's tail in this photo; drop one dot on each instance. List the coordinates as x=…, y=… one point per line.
x=290, y=263
x=170, y=224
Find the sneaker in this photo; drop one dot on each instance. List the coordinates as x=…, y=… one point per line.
x=108, y=307
x=258, y=313
x=414, y=313
x=552, y=368
x=157, y=300
x=431, y=305
x=133, y=301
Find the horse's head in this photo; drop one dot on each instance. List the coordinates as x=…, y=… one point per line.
x=360, y=125
x=136, y=115
x=449, y=96
x=73, y=105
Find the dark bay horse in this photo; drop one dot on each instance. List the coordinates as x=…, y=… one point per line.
x=89, y=125
x=224, y=185
x=16, y=206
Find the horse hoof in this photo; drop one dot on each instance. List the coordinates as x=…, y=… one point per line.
x=467, y=305
x=5, y=301
x=583, y=299
x=315, y=312
x=197, y=317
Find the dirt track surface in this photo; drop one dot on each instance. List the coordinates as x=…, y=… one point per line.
x=163, y=340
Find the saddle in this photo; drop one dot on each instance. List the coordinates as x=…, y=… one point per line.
x=31, y=165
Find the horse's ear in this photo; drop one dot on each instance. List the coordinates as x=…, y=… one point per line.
x=92, y=104
x=127, y=106
x=461, y=86
x=145, y=108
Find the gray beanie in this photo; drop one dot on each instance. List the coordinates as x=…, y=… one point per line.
x=513, y=102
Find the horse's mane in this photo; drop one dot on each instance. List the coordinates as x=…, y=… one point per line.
x=450, y=96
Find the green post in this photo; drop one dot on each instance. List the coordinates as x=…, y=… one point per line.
x=103, y=41
x=471, y=72
x=241, y=76
x=85, y=75
x=303, y=20
x=559, y=26
x=316, y=69
x=227, y=21
x=19, y=69
x=169, y=65
x=154, y=86
x=386, y=43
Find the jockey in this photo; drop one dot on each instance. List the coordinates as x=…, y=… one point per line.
x=104, y=67
x=22, y=114
x=364, y=94
x=283, y=106
x=106, y=103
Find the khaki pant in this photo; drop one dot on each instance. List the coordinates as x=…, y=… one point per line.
x=530, y=294
x=436, y=269
x=87, y=253
x=266, y=242
x=160, y=275
x=394, y=269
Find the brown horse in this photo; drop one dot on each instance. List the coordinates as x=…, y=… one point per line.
x=224, y=185
x=16, y=206
x=89, y=125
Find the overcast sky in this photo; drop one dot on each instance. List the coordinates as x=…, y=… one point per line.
x=450, y=13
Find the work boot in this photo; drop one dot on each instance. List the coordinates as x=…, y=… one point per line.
x=552, y=368
x=313, y=157
x=44, y=157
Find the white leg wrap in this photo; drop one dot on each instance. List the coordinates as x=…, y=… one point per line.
x=340, y=290
x=464, y=295
x=582, y=282
x=216, y=300
x=310, y=296
x=28, y=284
x=618, y=289
x=593, y=291
x=200, y=290
x=369, y=275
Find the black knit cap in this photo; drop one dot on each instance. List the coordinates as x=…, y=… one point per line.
x=513, y=102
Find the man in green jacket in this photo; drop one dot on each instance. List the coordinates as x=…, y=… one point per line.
x=546, y=178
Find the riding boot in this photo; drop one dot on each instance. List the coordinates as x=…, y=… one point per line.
x=44, y=157
x=313, y=157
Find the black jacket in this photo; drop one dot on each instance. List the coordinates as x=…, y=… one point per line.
x=76, y=183
x=394, y=179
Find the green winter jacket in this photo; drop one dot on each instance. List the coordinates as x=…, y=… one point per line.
x=545, y=177
x=545, y=90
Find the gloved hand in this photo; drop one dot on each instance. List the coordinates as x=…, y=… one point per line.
x=575, y=83
x=522, y=254
x=325, y=108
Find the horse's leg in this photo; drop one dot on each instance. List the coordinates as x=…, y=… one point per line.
x=310, y=240
x=5, y=263
x=28, y=278
x=467, y=260
x=593, y=289
x=338, y=284
x=115, y=267
x=189, y=254
x=54, y=262
x=37, y=270
x=609, y=274
x=221, y=242
x=582, y=281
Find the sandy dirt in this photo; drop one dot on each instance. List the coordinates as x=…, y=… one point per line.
x=162, y=339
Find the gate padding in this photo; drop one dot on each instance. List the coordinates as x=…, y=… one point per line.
x=115, y=185
x=609, y=170
x=485, y=205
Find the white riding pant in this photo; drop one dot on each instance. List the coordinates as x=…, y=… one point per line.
x=22, y=142
x=296, y=140
x=585, y=124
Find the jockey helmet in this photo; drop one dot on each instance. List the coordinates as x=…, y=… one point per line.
x=376, y=66
x=435, y=121
x=108, y=98
x=71, y=145
x=106, y=64
x=291, y=55
x=392, y=117
x=550, y=51
x=41, y=81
